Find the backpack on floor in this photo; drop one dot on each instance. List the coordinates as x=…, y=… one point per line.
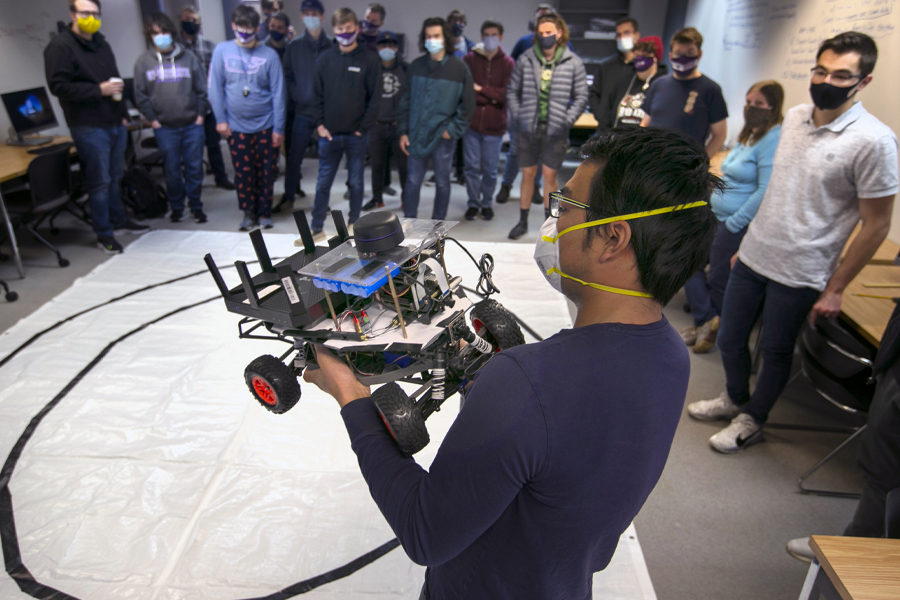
x=140, y=192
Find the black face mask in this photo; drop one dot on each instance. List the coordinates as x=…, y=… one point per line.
x=547, y=42
x=190, y=27
x=754, y=116
x=828, y=97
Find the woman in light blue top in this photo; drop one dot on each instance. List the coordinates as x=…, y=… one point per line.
x=746, y=173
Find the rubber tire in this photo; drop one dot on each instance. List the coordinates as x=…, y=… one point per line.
x=279, y=377
x=12, y=296
x=402, y=418
x=500, y=326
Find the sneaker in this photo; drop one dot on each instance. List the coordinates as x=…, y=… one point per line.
x=225, y=184
x=430, y=181
x=199, y=215
x=109, y=244
x=487, y=214
x=300, y=193
x=373, y=204
x=347, y=195
x=706, y=336
x=519, y=230
x=177, y=216
x=503, y=194
x=266, y=223
x=799, y=549
x=744, y=431
x=460, y=179
x=689, y=335
x=537, y=197
x=131, y=227
x=471, y=213
x=283, y=206
x=720, y=407
x=390, y=191
x=247, y=224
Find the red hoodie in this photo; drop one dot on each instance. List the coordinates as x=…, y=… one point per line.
x=493, y=75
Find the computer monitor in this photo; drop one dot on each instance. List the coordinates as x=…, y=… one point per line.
x=29, y=111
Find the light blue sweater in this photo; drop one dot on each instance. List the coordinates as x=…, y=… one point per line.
x=746, y=172
x=233, y=68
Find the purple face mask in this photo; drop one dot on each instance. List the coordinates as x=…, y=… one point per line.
x=245, y=38
x=642, y=63
x=346, y=39
x=685, y=65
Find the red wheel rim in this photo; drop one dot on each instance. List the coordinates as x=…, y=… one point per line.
x=264, y=391
x=388, y=427
x=478, y=325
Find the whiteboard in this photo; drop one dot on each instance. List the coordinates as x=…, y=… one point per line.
x=746, y=41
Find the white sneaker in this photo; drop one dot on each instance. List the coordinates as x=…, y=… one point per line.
x=720, y=407
x=799, y=549
x=744, y=431
x=689, y=335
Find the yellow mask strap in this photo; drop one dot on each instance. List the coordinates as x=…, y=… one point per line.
x=604, y=288
x=648, y=213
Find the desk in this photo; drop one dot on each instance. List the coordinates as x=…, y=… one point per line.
x=585, y=121
x=869, y=316
x=14, y=161
x=853, y=569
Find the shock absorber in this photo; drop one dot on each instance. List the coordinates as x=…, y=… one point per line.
x=439, y=374
x=479, y=343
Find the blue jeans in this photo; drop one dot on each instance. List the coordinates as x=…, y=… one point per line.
x=482, y=153
x=182, y=145
x=783, y=311
x=512, y=161
x=441, y=157
x=101, y=151
x=301, y=133
x=706, y=294
x=330, y=154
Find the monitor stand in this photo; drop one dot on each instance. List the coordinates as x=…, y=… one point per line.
x=29, y=141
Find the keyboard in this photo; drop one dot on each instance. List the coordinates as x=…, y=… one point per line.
x=50, y=148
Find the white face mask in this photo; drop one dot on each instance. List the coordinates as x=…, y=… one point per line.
x=625, y=44
x=546, y=254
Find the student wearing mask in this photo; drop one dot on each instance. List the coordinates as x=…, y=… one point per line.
x=687, y=100
x=246, y=90
x=299, y=68
x=269, y=8
x=371, y=26
x=344, y=108
x=203, y=48
x=81, y=71
x=613, y=72
x=628, y=95
x=434, y=112
x=746, y=172
x=835, y=167
x=547, y=93
x=491, y=69
x=279, y=23
x=559, y=443
x=170, y=91
x=384, y=142
x=461, y=46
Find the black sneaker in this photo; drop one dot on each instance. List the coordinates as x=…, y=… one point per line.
x=519, y=230
x=537, y=197
x=503, y=194
x=131, y=227
x=347, y=195
x=300, y=193
x=283, y=206
x=199, y=215
x=461, y=179
x=431, y=181
x=177, y=216
x=390, y=191
x=471, y=213
x=487, y=214
x=225, y=184
x=109, y=244
x=373, y=204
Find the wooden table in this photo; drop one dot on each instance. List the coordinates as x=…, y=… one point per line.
x=585, y=121
x=14, y=161
x=869, y=316
x=849, y=568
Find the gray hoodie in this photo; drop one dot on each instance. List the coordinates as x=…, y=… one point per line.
x=170, y=88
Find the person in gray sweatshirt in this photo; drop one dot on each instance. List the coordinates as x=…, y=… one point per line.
x=170, y=91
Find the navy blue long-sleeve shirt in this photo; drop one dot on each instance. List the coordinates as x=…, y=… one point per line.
x=555, y=451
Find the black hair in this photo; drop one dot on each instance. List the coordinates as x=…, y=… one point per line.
x=164, y=23
x=374, y=7
x=631, y=20
x=245, y=16
x=282, y=17
x=853, y=41
x=445, y=27
x=458, y=16
x=645, y=168
x=492, y=23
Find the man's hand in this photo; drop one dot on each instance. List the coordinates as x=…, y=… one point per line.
x=828, y=305
x=277, y=139
x=155, y=124
x=445, y=135
x=404, y=144
x=108, y=88
x=323, y=132
x=478, y=88
x=224, y=129
x=335, y=378
x=199, y=120
x=357, y=134
x=734, y=259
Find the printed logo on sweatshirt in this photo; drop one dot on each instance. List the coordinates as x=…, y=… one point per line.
x=178, y=73
x=390, y=85
x=239, y=64
x=354, y=69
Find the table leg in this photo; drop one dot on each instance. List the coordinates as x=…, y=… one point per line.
x=817, y=584
x=12, y=237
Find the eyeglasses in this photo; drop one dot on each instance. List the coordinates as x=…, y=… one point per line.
x=86, y=14
x=556, y=198
x=839, y=79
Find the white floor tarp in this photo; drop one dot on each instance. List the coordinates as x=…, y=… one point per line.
x=158, y=476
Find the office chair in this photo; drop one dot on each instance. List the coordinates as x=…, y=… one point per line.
x=47, y=191
x=838, y=366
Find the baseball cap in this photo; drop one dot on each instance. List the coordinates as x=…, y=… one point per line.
x=386, y=37
x=312, y=5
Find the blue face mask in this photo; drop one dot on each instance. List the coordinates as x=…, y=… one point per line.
x=163, y=41
x=387, y=54
x=311, y=23
x=434, y=46
x=491, y=42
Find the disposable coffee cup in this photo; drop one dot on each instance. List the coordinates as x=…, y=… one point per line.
x=117, y=97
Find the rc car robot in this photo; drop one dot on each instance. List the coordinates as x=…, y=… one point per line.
x=384, y=301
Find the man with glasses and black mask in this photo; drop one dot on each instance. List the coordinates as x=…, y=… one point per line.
x=559, y=442
x=835, y=166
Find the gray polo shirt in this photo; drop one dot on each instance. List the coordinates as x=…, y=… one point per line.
x=811, y=204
